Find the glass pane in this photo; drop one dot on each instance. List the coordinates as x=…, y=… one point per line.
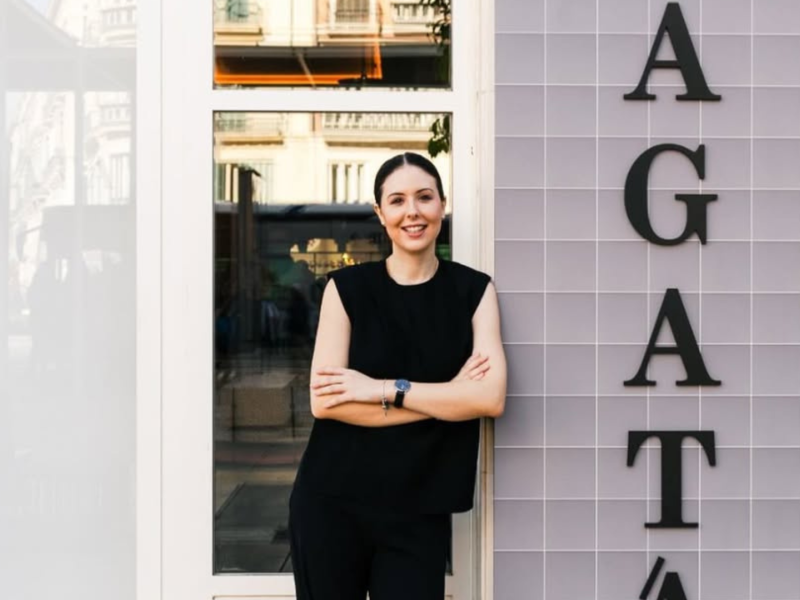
x=293, y=201
x=352, y=43
x=68, y=299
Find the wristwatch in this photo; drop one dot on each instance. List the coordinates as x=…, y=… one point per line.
x=402, y=386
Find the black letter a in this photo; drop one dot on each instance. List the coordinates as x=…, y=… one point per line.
x=685, y=345
x=686, y=60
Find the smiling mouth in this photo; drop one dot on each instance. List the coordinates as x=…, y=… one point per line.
x=414, y=228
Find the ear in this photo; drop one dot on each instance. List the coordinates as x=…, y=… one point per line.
x=378, y=212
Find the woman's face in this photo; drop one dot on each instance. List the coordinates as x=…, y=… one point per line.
x=411, y=209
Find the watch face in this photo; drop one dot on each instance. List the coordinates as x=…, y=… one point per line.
x=402, y=385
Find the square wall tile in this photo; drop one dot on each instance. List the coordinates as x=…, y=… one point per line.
x=569, y=473
x=525, y=369
x=774, y=60
x=665, y=540
x=776, y=16
x=619, y=415
x=617, y=574
x=571, y=17
x=518, y=473
x=620, y=117
x=612, y=220
x=726, y=575
x=571, y=214
x=725, y=524
x=519, y=214
x=776, y=524
x=622, y=58
x=775, y=473
x=730, y=116
x=727, y=165
x=620, y=524
x=726, y=16
x=686, y=565
x=569, y=525
x=622, y=266
x=571, y=110
x=618, y=364
x=519, y=162
x=675, y=267
x=690, y=10
x=691, y=474
x=775, y=370
x=776, y=266
x=623, y=318
x=668, y=214
x=522, y=317
x=571, y=58
x=726, y=319
x=569, y=575
x=729, y=216
x=726, y=267
x=519, y=266
x=615, y=157
x=570, y=318
x=622, y=16
x=522, y=423
x=775, y=163
x=728, y=418
x=519, y=15
x=570, y=421
x=518, y=524
x=675, y=413
x=731, y=366
x=776, y=318
x=518, y=575
x=570, y=162
x=570, y=266
x=519, y=110
x=570, y=369
x=726, y=60
x=776, y=112
x=776, y=421
x=730, y=478
x=519, y=58
x=776, y=576
x=776, y=215
x=616, y=480
x=670, y=117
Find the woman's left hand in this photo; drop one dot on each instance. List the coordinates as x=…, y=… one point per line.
x=345, y=385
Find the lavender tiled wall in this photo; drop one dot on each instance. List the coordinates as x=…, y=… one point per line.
x=579, y=291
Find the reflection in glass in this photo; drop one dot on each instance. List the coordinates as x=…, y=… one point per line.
x=68, y=316
x=292, y=201
x=395, y=43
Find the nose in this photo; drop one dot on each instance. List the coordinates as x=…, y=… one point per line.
x=412, y=211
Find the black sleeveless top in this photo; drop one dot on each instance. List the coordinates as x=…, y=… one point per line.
x=422, y=333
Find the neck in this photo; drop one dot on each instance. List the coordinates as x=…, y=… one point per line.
x=408, y=269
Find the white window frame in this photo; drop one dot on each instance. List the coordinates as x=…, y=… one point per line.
x=174, y=181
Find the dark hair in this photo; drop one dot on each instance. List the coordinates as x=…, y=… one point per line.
x=407, y=158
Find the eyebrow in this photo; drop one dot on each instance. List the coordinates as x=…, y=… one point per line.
x=418, y=192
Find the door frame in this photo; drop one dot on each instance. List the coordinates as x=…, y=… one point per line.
x=175, y=282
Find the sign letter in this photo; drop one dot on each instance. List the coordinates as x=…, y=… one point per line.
x=686, y=60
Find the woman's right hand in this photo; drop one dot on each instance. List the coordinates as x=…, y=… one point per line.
x=474, y=369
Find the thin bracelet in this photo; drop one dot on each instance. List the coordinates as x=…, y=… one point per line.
x=384, y=401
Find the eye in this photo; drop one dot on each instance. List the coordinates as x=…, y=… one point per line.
x=396, y=200
x=426, y=197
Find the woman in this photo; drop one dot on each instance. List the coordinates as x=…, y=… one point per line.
x=408, y=357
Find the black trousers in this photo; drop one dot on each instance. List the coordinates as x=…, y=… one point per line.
x=341, y=550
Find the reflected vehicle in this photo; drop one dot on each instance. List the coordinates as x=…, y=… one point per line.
x=271, y=263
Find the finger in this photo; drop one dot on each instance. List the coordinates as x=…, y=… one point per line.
x=319, y=382
x=480, y=369
x=334, y=388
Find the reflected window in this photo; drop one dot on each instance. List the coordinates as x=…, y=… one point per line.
x=273, y=251
x=342, y=43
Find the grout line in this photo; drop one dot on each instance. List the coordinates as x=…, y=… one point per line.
x=597, y=303
x=544, y=304
x=750, y=501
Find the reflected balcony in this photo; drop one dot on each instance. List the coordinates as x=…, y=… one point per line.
x=118, y=24
x=235, y=128
x=377, y=127
x=238, y=23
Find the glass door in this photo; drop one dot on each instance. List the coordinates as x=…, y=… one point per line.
x=272, y=138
